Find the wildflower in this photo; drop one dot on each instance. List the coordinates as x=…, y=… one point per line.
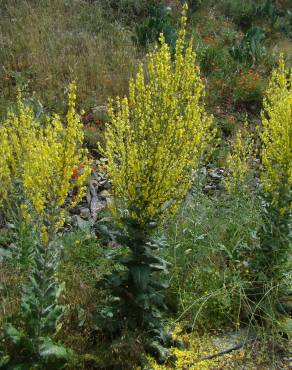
x=238, y=161
x=40, y=157
x=158, y=134
x=276, y=137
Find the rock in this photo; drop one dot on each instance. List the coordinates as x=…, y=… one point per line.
x=88, y=197
x=96, y=206
x=106, y=185
x=79, y=222
x=85, y=213
x=233, y=339
x=99, y=108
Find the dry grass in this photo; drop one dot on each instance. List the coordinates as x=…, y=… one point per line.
x=46, y=44
x=10, y=284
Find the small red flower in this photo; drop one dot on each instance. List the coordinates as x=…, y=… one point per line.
x=75, y=173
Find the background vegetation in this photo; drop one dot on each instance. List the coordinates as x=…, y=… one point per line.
x=229, y=245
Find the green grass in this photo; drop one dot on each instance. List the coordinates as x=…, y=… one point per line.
x=211, y=244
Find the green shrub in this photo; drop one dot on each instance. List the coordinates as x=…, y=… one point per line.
x=245, y=12
x=159, y=21
x=283, y=23
x=213, y=57
x=94, y=133
x=251, y=49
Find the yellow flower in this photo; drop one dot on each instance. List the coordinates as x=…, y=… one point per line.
x=40, y=158
x=238, y=161
x=158, y=134
x=276, y=137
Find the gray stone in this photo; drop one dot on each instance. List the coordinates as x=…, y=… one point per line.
x=85, y=213
x=79, y=222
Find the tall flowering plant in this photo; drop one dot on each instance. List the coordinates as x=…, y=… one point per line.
x=39, y=159
x=37, y=162
x=155, y=139
x=269, y=261
x=239, y=161
x=276, y=137
x=273, y=261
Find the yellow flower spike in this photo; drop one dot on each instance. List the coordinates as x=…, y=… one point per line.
x=44, y=235
x=5, y=158
x=276, y=137
x=41, y=157
x=158, y=134
x=238, y=160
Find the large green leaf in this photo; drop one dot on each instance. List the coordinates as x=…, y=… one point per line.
x=13, y=334
x=140, y=275
x=52, y=353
